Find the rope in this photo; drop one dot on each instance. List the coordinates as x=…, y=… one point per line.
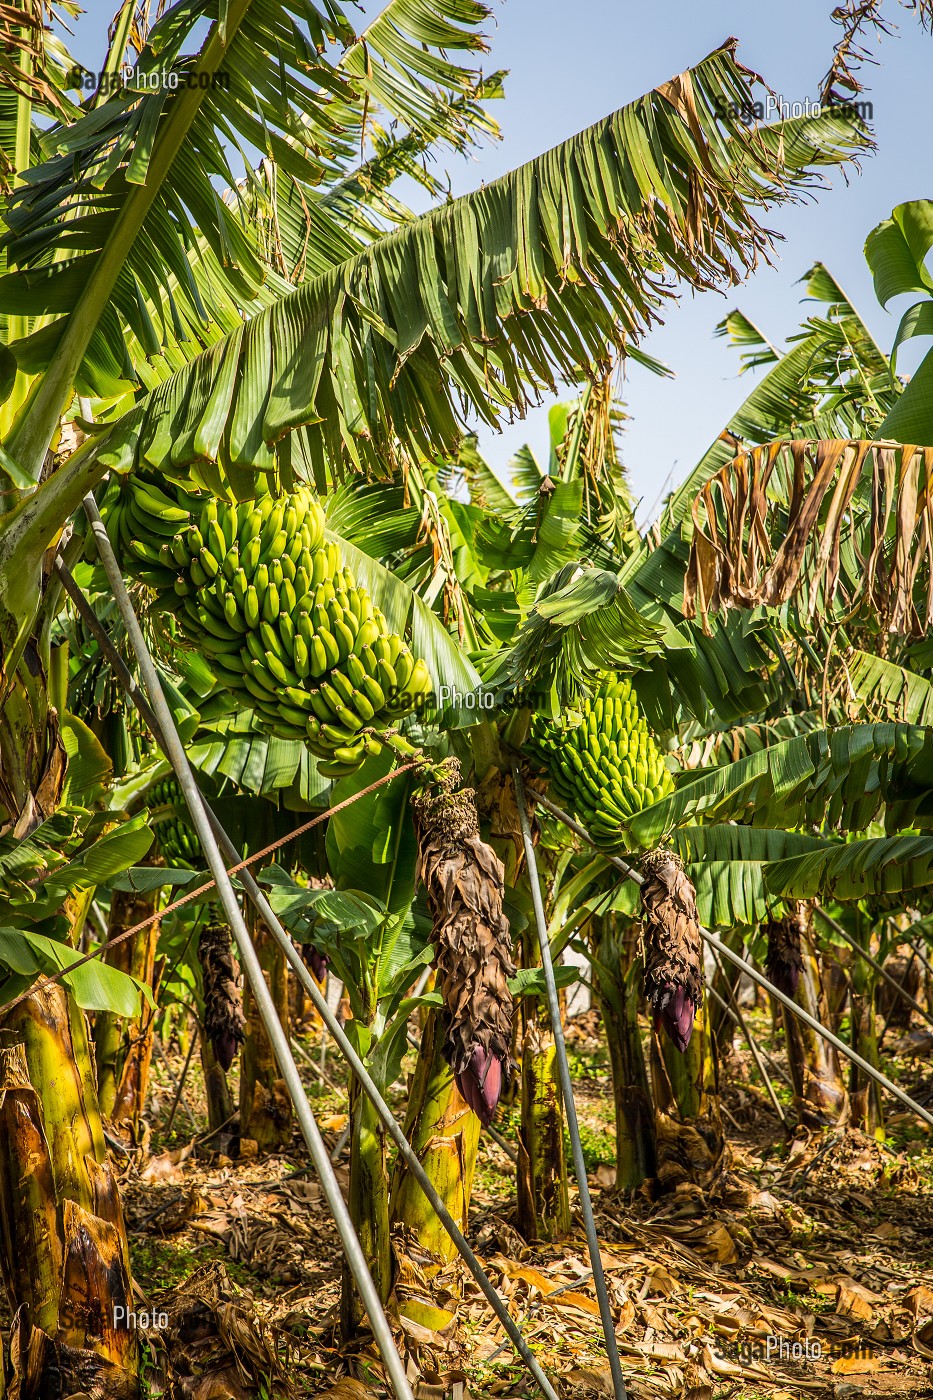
x=210, y=884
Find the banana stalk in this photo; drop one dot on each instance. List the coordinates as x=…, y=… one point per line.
x=464, y=881
x=265, y=1107
x=784, y=960
x=126, y=909
x=543, y=1204
x=691, y=1146
x=819, y=1092
x=543, y=1200
x=65, y=1256
x=444, y=1133
x=368, y=1202
x=216, y=1088
x=133, y=1087
x=224, y=1022
x=617, y=982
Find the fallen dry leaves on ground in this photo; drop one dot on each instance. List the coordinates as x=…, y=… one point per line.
x=826, y=1244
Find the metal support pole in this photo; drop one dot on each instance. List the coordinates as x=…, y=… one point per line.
x=405, y=1149
x=922, y=956
x=570, y=1108
x=249, y=960
x=181, y=1083
x=873, y=962
x=304, y=975
x=176, y=1085
x=771, y=1063
x=753, y=973
x=753, y=1046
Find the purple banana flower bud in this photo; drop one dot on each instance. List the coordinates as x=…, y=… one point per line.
x=481, y=1083
x=675, y=1010
x=316, y=961
x=225, y=1048
x=785, y=948
x=785, y=976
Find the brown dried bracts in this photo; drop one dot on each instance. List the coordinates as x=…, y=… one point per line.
x=464, y=880
x=673, y=947
x=224, y=1022
x=784, y=962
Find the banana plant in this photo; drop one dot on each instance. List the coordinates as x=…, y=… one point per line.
x=376, y=939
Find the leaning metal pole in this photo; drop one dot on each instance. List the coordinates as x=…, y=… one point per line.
x=753, y=972
x=320, y=1002
x=175, y=752
x=751, y=1043
x=570, y=1108
x=873, y=962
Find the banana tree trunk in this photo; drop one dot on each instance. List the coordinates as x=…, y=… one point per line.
x=686, y=1094
x=864, y=1094
x=63, y=1246
x=64, y=1254
x=444, y=1133
x=543, y=1201
x=726, y=980
x=216, y=1088
x=265, y=1107
x=368, y=1202
x=130, y=1104
x=819, y=1092
x=617, y=983
x=135, y=956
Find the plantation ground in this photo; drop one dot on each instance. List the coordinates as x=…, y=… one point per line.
x=829, y=1239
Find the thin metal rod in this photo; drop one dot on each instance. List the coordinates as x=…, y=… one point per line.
x=181, y=1082
x=304, y=975
x=753, y=973
x=160, y=1048
x=920, y=955
x=752, y=1045
x=873, y=962
x=768, y=1059
x=315, y=1067
x=820, y=1029
x=175, y=752
x=570, y=1108
x=406, y=1152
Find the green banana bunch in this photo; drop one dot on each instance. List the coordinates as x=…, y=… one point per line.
x=280, y=616
x=602, y=761
x=177, y=839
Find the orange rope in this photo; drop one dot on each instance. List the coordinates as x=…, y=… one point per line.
x=211, y=884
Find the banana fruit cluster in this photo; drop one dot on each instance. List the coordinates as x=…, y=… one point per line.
x=602, y=761
x=278, y=613
x=178, y=841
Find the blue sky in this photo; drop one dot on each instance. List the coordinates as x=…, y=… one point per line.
x=571, y=63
